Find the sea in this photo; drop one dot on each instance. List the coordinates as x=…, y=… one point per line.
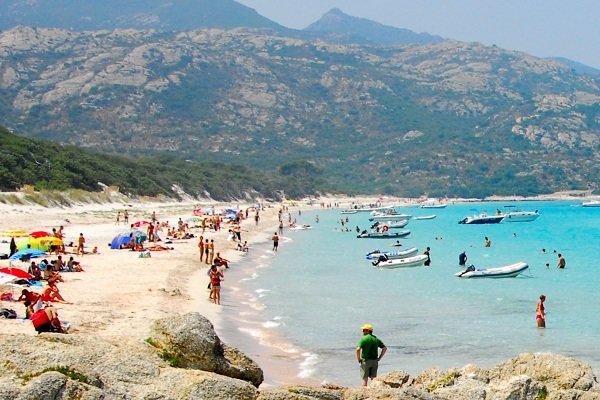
x=310, y=298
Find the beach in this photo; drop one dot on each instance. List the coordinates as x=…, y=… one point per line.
x=119, y=293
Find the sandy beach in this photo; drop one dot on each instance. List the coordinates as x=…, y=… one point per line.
x=119, y=293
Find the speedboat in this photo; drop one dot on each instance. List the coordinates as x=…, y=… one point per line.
x=388, y=216
x=521, y=216
x=508, y=271
x=300, y=227
x=349, y=211
x=434, y=205
x=390, y=224
x=384, y=234
x=414, y=261
x=591, y=203
x=392, y=255
x=482, y=218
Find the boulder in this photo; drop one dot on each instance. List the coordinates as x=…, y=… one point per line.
x=300, y=392
x=190, y=341
x=394, y=379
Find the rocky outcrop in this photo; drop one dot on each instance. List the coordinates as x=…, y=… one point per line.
x=190, y=342
x=185, y=359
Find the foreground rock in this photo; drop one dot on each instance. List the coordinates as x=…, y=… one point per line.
x=185, y=359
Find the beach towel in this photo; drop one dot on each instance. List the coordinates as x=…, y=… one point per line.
x=8, y=313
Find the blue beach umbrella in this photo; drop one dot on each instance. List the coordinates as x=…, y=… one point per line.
x=27, y=253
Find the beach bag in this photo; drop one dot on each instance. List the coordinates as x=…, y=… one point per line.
x=145, y=254
x=8, y=313
x=6, y=297
x=39, y=318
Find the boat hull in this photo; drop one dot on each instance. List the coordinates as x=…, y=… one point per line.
x=492, y=219
x=383, y=235
x=414, y=261
x=508, y=271
x=393, y=255
x=521, y=216
x=390, y=217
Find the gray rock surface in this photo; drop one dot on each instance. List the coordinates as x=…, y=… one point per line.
x=185, y=359
x=191, y=342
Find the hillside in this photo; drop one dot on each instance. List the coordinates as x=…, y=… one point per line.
x=449, y=118
x=50, y=166
x=338, y=27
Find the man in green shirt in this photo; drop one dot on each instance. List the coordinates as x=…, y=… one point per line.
x=367, y=353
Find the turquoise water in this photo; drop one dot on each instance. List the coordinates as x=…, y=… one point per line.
x=317, y=291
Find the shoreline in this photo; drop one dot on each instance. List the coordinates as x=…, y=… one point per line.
x=120, y=294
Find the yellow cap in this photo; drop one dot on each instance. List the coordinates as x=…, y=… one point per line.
x=367, y=327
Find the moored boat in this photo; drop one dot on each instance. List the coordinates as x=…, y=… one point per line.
x=482, y=218
x=422, y=217
x=392, y=255
x=349, y=211
x=388, y=216
x=591, y=203
x=383, y=234
x=390, y=224
x=507, y=271
x=521, y=216
x=414, y=261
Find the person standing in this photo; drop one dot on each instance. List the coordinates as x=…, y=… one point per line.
x=488, y=242
x=367, y=353
x=80, y=244
x=118, y=218
x=13, y=246
x=211, y=253
x=275, y=239
x=462, y=259
x=427, y=262
x=207, y=252
x=201, y=248
x=126, y=217
x=216, y=277
x=540, y=312
x=561, y=262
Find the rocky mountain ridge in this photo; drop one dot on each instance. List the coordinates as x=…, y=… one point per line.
x=450, y=118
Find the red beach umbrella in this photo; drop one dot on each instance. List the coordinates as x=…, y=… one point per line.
x=39, y=234
x=19, y=273
x=137, y=224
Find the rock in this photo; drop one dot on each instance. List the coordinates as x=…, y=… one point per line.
x=190, y=341
x=300, y=392
x=394, y=379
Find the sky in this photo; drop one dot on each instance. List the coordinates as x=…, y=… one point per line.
x=543, y=28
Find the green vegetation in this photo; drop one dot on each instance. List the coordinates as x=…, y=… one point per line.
x=444, y=381
x=50, y=167
x=67, y=371
x=170, y=358
x=542, y=394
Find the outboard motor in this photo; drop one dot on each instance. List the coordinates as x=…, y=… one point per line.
x=462, y=221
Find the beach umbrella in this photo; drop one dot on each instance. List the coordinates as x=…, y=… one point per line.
x=42, y=243
x=138, y=224
x=13, y=233
x=16, y=272
x=120, y=240
x=198, y=212
x=27, y=253
x=38, y=234
x=141, y=236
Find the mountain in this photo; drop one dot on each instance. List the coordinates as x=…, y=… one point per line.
x=449, y=118
x=169, y=15
x=577, y=66
x=338, y=27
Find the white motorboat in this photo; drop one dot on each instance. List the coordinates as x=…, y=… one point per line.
x=508, y=271
x=521, y=216
x=414, y=261
x=383, y=234
x=434, y=205
x=591, y=203
x=482, y=218
x=388, y=216
x=392, y=255
x=349, y=211
x=390, y=224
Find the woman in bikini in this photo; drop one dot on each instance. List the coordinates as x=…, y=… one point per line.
x=540, y=313
x=216, y=277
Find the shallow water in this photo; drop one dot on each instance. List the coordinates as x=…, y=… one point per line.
x=310, y=299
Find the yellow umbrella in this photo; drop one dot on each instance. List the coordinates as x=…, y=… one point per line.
x=13, y=233
x=42, y=243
